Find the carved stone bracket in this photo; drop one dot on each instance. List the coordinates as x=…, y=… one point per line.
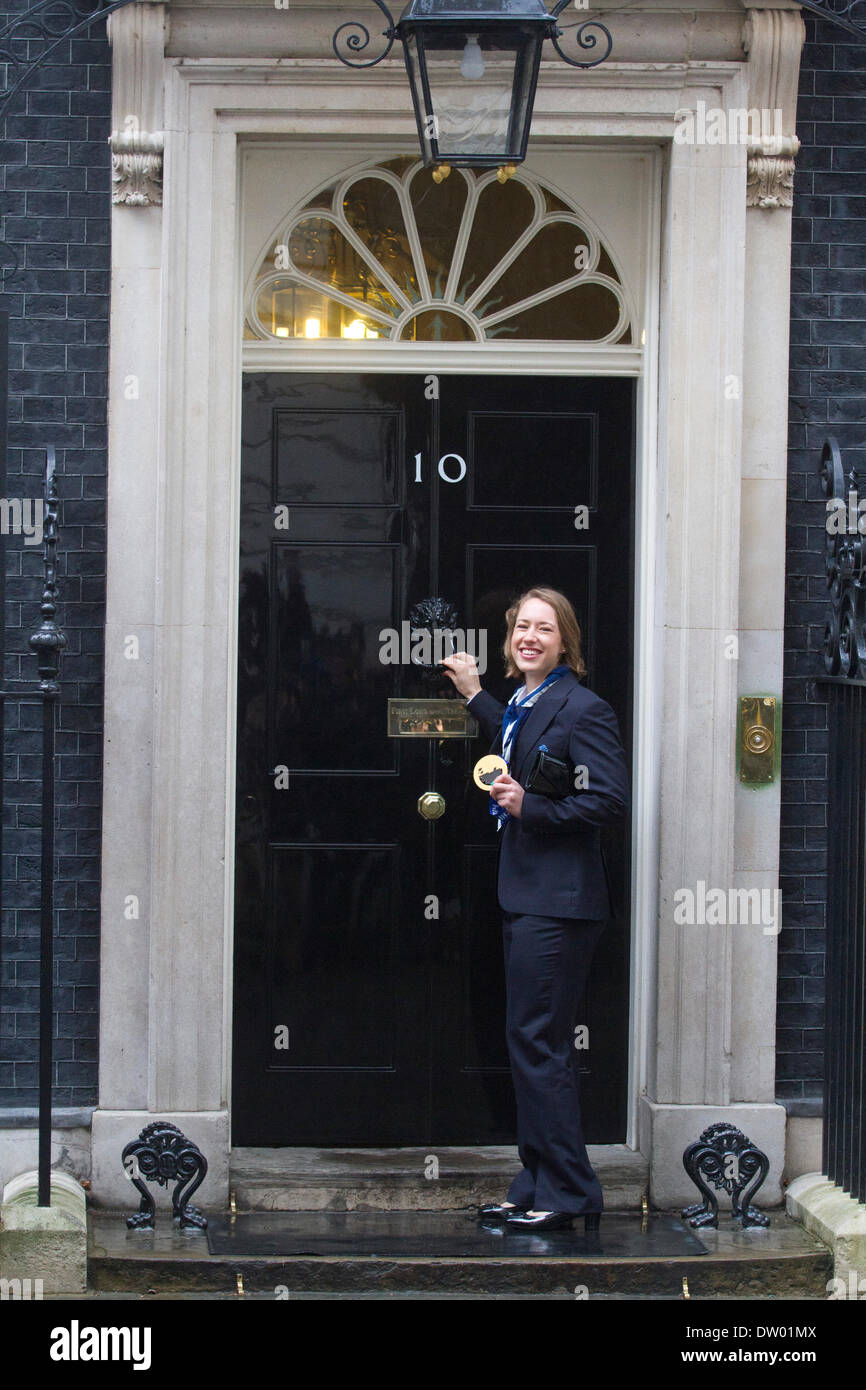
x=136, y=167
x=773, y=40
x=770, y=171
x=137, y=35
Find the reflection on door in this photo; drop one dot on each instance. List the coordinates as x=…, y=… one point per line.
x=369, y=984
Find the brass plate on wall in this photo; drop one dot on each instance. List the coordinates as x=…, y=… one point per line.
x=757, y=742
x=430, y=719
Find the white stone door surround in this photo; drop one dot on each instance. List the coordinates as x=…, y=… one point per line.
x=710, y=564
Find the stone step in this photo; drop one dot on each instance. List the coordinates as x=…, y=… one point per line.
x=781, y=1262
x=410, y=1179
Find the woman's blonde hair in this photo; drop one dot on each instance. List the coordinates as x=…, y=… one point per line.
x=569, y=629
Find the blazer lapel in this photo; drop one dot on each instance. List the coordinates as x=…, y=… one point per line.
x=541, y=716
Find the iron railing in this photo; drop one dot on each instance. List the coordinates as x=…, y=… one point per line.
x=47, y=642
x=845, y=1032
x=843, y=1158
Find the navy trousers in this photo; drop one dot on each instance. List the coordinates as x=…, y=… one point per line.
x=546, y=965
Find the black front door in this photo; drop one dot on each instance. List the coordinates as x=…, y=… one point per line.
x=369, y=984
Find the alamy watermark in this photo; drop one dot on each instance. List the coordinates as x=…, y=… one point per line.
x=20, y=1289
x=717, y=125
x=77, y=1343
x=854, y=1289
x=428, y=646
x=22, y=516
x=714, y=907
x=850, y=520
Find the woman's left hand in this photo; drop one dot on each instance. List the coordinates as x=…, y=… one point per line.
x=508, y=794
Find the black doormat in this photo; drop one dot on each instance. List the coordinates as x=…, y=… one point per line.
x=443, y=1235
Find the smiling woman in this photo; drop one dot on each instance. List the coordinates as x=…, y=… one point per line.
x=553, y=891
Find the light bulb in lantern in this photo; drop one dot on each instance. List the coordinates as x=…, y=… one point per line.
x=312, y=328
x=473, y=63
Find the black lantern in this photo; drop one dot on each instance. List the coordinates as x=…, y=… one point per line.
x=473, y=69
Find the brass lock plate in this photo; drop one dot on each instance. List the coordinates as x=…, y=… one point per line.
x=756, y=741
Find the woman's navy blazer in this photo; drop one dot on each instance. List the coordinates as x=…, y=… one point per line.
x=550, y=862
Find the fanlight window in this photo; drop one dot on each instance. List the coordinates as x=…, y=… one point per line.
x=391, y=254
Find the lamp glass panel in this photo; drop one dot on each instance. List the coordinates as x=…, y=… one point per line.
x=473, y=117
x=476, y=115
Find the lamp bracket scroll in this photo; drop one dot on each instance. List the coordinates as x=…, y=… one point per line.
x=589, y=31
x=357, y=40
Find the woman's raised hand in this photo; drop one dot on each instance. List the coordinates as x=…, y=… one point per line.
x=462, y=669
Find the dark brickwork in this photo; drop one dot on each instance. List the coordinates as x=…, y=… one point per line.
x=56, y=178
x=828, y=395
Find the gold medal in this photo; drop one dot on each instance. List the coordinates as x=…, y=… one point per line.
x=487, y=769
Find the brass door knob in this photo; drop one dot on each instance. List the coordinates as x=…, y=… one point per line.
x=431, y=805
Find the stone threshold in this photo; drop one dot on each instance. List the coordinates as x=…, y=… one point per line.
x=783, y=1261
x=407, y=1179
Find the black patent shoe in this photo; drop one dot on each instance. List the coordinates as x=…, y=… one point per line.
x=542, y=1221
x=499, y=1211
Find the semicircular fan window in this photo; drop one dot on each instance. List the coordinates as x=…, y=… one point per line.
x=390, y=254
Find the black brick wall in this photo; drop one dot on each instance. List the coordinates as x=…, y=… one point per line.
x=55, y=182
x=827, y=395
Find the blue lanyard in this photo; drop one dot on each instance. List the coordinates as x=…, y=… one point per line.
x=516, y=711
x=513, y=716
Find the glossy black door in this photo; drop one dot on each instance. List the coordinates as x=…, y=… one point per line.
x=368, y=961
